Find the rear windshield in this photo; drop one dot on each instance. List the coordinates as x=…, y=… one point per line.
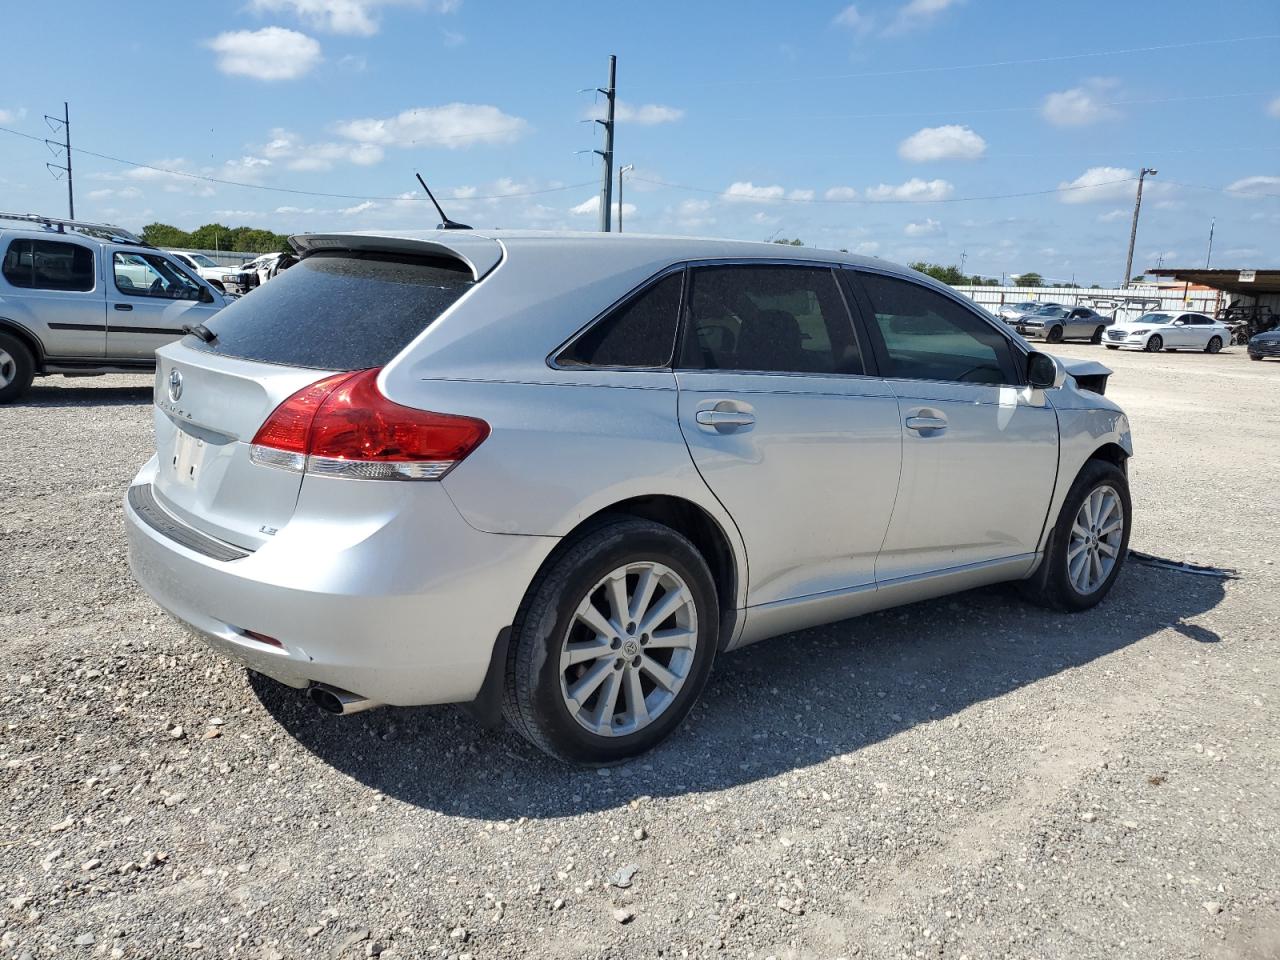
x=338, y=310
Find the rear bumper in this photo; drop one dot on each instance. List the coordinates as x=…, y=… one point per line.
x=380, y=588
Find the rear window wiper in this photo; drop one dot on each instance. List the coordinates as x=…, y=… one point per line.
x=201, y=331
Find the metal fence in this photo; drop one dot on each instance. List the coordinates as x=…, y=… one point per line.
x=1105, y=301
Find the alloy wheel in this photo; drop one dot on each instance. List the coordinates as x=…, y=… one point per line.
x=629, y=649
x=1096, y=535
x=8, y=368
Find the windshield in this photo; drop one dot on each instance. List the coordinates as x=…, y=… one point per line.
x=201, y=260
x=1155, y=318
x=1051, y=312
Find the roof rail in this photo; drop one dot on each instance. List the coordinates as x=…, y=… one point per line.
x=101, y=231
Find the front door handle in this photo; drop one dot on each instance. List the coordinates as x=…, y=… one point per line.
x=725, y=418
x=926, y=423
x=124, y=306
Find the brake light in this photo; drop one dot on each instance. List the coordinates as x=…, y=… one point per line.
x=342, y=426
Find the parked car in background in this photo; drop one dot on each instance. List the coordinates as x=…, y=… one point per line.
x=530, y=471
x=1012, y=311
x=80, y=298
x=269, y=265
x=229, y=279
x=1054, y=323
x=1265, y=345
x=1154, y=332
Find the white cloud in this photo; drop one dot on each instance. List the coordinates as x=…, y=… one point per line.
x=1273, y=107
x=1112, y=216
x=351, y=211
x=123, y=193
x=353, y=17
x=272, y=53
x=867, y=248
x=744, y=191
x=453, y=125
x=925, y=228
x=919, y=13
x=1099, y=184
x=855, y=20
x=1080, y=106
x=914, y=189
x=805, y=195
x=952, y=142
x=642, y=115
x=592, y=206
x=841, y=193
x=691, y=208
x=1257, y=186
x=296, y=154
x=452, y=38
x=9, y=116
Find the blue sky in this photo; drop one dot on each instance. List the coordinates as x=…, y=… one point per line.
x=778, y=114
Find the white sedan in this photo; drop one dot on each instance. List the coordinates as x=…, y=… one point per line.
x=1154, y=332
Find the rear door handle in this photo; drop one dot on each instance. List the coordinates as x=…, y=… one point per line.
x=926, y=423
x=725, y=418
x=124, y=306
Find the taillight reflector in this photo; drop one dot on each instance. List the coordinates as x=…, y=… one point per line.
x=342, y=426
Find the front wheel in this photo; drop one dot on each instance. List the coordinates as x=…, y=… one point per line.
x=1088, y=544
x=1253, y=356
x=1054, y=335
x=1097, y=335
x=1155, y=343
x=1110, y=347
x=612, y=644
x=1214, y=345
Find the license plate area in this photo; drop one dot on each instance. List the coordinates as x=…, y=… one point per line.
x=187, y=458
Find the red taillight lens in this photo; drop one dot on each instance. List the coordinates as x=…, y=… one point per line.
x=343, y=426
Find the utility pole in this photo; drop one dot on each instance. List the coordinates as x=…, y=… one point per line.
x=606, y=187
x=1133, y=230
x=1209, y=253
x=65, y=145
x=621, y=170
x=963, y=257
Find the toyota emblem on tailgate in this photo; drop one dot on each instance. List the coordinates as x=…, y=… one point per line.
x=175, y=385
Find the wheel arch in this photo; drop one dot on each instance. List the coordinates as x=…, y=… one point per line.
x=728, y=569
x=1112, y=453
x=27, y=338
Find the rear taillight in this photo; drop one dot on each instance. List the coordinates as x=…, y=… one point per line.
x=342, y=426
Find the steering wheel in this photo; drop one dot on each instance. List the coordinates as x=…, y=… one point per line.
x=157, y=286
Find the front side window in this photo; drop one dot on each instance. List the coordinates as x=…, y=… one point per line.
x=930, y=337
x=200, y=260
x=639, y=333
x=49, y=265
x=1160, y=318
x=775, y=319
x=148, y=275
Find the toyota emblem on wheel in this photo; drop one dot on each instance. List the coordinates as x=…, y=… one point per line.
x=175, y=385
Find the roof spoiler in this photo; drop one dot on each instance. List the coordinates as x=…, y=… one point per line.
x=480, y=254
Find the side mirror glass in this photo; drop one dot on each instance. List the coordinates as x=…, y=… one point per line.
x=1043, y=371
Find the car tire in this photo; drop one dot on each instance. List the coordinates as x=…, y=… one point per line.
x=1053, y=335
x=1253, y=357
x=1110, y=347
x=1214, y=345
x=1097, y=335
x=549, y=633
x=17, y=368
x=1155, y=343
x=1054, y=584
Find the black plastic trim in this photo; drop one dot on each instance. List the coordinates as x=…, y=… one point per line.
x=143, y=501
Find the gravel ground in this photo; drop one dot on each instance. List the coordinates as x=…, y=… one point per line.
x=966, y=777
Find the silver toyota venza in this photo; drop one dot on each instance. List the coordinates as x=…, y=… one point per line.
x=554, y=476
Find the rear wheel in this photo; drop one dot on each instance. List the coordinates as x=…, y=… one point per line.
x=1097, y=335
x=17, y=368
x=1155, y=343
x=1214, y=345
x=1255, y=357
x=1054, y=335
x=1110, y=347
x=613, y=643
x=1088, y=544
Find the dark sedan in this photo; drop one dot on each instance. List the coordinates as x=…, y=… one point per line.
x=1265, y=345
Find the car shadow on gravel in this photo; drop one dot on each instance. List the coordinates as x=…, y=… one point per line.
x=769, y=709
x=40, y=396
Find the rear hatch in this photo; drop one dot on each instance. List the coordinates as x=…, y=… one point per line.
x=340, y=308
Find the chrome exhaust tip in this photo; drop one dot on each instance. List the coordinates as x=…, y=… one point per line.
x=337, y=701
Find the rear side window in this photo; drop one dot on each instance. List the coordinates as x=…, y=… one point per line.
x=49, y=265
x=639, y=333
x=338, y=310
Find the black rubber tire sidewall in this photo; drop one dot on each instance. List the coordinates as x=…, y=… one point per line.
x=533, y=703
x=1053, y=582
x=1208, y=347
x=1054, y=335
x=26, y=367
x=1097, y=335
x=1157, y=340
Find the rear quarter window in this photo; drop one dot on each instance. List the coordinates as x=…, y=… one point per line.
x=338, y=310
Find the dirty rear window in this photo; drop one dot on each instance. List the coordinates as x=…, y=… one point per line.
x=338, y=310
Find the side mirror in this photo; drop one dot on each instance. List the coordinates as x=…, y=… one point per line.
x=206, y=296
x=1044, y=372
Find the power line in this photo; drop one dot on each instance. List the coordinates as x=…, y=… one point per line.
x=869, y=200
x=306, y=193
x=942, y=68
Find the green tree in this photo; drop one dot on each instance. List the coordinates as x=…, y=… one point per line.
x=1031, y=279
x=164, y=235
x=950, y=274
x=797, y=242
